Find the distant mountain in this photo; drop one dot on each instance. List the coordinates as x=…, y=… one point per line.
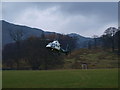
x=7, y=27
x=82, y=42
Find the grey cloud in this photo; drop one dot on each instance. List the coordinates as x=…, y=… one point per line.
x=107, y=10
x=90, y=16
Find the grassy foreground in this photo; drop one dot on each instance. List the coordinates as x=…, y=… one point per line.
x=91, y=78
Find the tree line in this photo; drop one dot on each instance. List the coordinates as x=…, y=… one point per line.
x=110, y=40
x=32, y=53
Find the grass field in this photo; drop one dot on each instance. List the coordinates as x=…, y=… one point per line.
x=95, y=58
x=91, y=78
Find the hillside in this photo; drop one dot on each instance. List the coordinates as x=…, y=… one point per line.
x=82, y=42
x=7, y=27
x=92, y=58
x=28, y=31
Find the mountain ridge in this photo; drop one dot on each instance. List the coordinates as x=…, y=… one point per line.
x=6, y=27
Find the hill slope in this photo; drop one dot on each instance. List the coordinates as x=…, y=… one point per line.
x=7, y=27
x=92, y=58
x=82, y=42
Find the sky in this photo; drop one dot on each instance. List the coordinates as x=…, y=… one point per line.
x=84, y=18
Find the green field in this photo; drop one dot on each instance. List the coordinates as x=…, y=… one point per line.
x=91, y=78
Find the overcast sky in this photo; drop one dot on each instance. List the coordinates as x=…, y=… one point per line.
x=84, y=18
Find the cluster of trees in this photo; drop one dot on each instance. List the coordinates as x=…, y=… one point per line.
x=118, y=34
x=110, y=40
x=32, y=53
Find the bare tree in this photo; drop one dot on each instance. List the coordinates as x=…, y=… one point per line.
x=118, y=35
x=89, y=44
x=17, y=36
x=95, y=41
x=111, y=32
x=43, y=35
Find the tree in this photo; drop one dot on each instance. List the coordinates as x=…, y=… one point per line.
x=106, y=41
x=17, y=36
x=118, y=36
x=43, y=35
x=95, y=41
x=111, y=33
x=89, y=44
x=38, y=56
x=9, y=55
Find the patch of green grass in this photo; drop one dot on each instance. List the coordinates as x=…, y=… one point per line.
x=91, y=78
x=0, y=79
x=94, y=58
